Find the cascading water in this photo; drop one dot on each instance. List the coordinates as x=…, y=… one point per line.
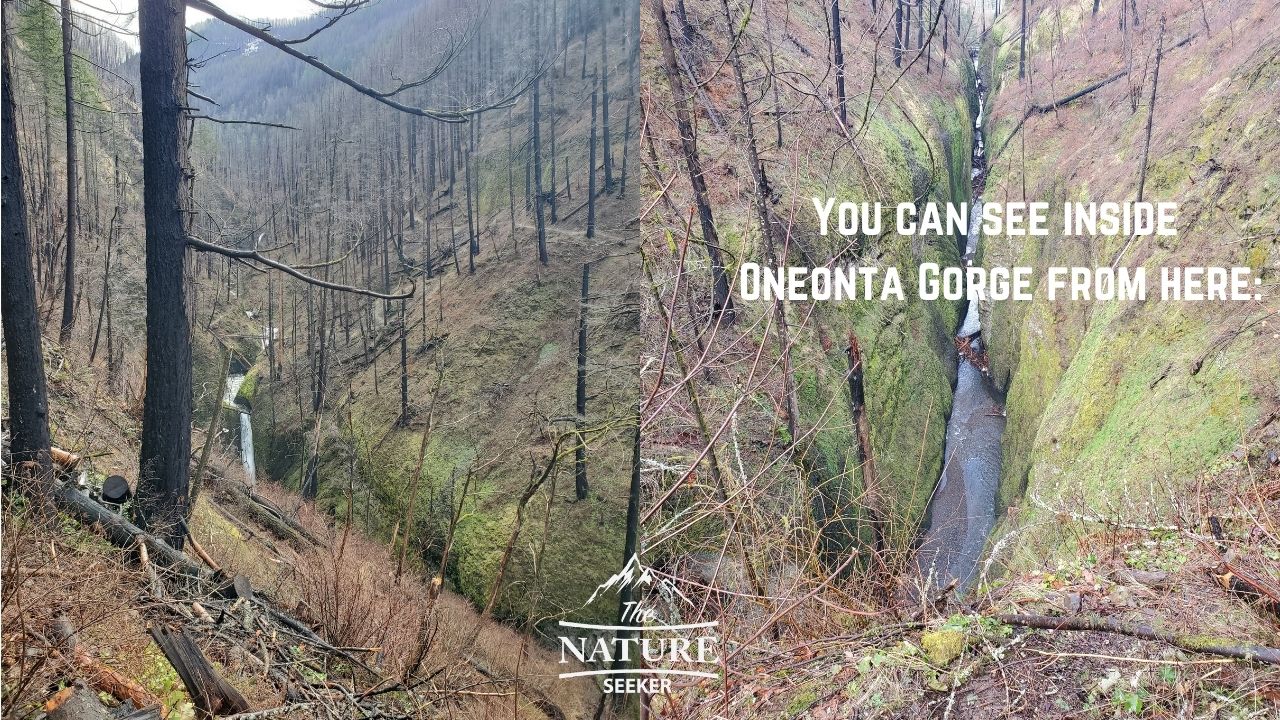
x=246, y=425
x=963, y=509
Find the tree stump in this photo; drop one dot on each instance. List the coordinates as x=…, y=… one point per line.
x=115, y=492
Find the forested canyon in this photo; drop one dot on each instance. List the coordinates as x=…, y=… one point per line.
x=888, y=502
x=342, y=308
x=394, y=359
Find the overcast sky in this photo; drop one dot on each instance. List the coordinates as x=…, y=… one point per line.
x=250, y=9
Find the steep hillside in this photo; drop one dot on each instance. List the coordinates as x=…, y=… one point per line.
x=908, y=140
x=490, y=338
x=1118, y=409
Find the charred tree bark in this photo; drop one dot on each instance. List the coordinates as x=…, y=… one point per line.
x=1022, y=43
x=473, y=243
x=631, y=536
x=404, y=361
x=897, y=34
x=721, y=301
x=164, y=464
x=581, y=488
x=626, y=133
x=539, y=220
x=606, y=145
x=28, y=403
x=591, y=170
x=210, y=693
x=838, y=48
x=69, y=269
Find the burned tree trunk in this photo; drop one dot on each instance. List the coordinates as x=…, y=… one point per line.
x=473, y=244
x=581, y=488
x=210, y=693
x=897, y=34
x=767, y=224
x=166, y=416
x=1022, y=43
x=28, y=404
x=838, y=48
x=1151, y=111
x=591, y=170
x=540, y=221
x=404, y=361
x=606, y=145
x=721, y=301
x=69, y=270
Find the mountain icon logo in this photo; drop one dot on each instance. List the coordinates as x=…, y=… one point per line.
x=632, y=575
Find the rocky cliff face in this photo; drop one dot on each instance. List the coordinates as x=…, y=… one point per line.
x=1116, y=408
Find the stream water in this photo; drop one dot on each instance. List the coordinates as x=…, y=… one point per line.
x=246, y=425
x=963, y=509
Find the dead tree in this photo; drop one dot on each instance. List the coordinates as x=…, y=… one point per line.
x=1022, y=44
x=210, y=693
x=768, y=226
x=721, y=301
x=28, y=403
x=166, y=131
x=69, y=269
x=591, y=170
x=1151, y=111
x=604, y=96
x=838, y=53
x=540, y=221
x=580, y=485
x=166, y=119
x=897, y=34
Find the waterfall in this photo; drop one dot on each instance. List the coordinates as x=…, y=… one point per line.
x=246, y=425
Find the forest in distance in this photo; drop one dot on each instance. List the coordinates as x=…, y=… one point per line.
x=588, y=359
x=326, y=325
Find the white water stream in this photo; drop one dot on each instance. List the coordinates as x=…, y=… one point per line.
x=246, y=426
x=963, y=509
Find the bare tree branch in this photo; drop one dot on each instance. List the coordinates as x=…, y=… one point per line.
x=256, y=256
x=384, y=97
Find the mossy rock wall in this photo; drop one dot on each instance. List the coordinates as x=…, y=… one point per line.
x=1115, y=407
x=919, y=150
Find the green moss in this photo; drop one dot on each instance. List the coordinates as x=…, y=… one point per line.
x=802, y=701
x=906, y=345
x=943, y=646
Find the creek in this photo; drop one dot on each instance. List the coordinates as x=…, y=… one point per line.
x=962, y=511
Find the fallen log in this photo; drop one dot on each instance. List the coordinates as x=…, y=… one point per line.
x=122, y=533
x=76, y=703
x=210, y=693
x=1081, y=623
x=1085, y=91
x=99, y=676
x=271, y=517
